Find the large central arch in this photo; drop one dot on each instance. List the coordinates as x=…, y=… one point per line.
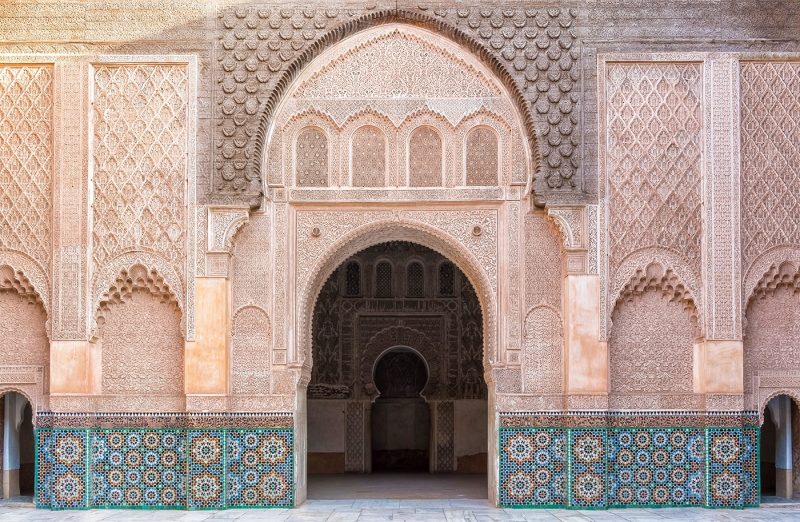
x=369, y=73
x=357, y=240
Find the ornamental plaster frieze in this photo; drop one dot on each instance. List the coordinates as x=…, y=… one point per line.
x=262, y=49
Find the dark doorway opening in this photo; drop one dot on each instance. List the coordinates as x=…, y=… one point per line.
x=397, y=377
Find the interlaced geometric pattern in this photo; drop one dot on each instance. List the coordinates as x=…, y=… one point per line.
x=260, y=467
x=138, y=467
x=588, y=468
x=732, y=467
x=482, y=157
x=369, y=157
x=312, y=159
x=164, y=468
x=425, y=158
x=61, y=468
x=140, y=163
x=206, y=472
x=626, y=467
x=533, y=467
x=770, y=134
x=26, y=159
x=656, y=467
x=654, y=149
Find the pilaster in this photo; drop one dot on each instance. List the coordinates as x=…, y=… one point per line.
x=720, y=355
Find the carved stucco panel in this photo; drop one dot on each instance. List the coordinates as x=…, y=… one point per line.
x=142, y=166
x=650, y=171
x=525, y=48
x=770, y=154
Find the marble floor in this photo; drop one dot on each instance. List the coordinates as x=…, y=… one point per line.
x=406, y=510
x=397, y=486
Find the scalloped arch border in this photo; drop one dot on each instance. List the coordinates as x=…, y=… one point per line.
x=385, y=17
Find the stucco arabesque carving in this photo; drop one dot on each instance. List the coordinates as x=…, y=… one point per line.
x=26, y=276
x=770, y=269
x=337, y=238
x=135, y=269
x=575, y=226
x=405, y=336
x=660, y=269
x=530, y=50
x=224, y=223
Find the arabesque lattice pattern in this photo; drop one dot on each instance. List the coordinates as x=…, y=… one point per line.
x=140, y=161
x=770, y=132
x=654, y=149
x=26, y=160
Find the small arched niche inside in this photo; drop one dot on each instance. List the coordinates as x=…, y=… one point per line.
x=400, y=414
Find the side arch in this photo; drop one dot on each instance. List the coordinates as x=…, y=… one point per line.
x=770, y=269
x=29, y=274
x=135, y=276
x=384, y=17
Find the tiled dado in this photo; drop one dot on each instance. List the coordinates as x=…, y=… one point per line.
x=164, y=468
x=645, y=466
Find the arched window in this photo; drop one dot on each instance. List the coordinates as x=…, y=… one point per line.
x=481, y=156
x=415, y=280
x=368, y=155
x=383, y=279
x=352, y=283
x=311, y=156
x=425, y=158
x=447, y=279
